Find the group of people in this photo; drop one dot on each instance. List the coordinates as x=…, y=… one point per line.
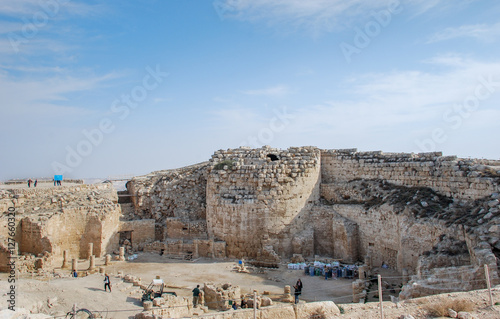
x=30, y=181
x=196, y=295
x=334, y=272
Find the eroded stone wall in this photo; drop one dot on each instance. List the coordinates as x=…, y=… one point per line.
x=448, y=175
x=64, y=218
x=72, y=230
x=142, y=232
x=335, y=235
x=267, y=204
x=178, y=193
x=261, y=197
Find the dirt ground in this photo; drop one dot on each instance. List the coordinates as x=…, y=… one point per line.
x=180, y=276
x=56, y=296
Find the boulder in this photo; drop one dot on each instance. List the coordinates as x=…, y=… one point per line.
x=327, y=309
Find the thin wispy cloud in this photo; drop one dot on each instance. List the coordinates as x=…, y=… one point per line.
x=36, y=27
x=275, y=91
x=37, y=71
x=19, y=7
x=32, y=96
x=89, y=59
x=407, y=101
x=481, y=32
x=49, y=8
x=312, y=15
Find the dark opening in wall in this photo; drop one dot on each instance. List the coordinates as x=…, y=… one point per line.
x=273, y=157
x=125, y=237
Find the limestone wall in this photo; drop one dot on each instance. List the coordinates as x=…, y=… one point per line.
x=196, y=247
x=459, y=178
x=73, y=230
x=320, y=309
x=64, y=218
x=335, y=235
x=268, y=204
x=31, y=197
x=176, y=193
x=260, y=197
x=143, y=232
x=178, y=228
x=4, y=258
x=394, y=238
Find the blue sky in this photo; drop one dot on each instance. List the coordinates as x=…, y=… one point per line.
x=105, y=88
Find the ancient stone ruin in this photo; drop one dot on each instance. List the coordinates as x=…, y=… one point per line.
x=428, y=216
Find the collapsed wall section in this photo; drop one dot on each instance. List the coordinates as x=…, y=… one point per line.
x=175, y=199
x=259, y=199
x=178, y=193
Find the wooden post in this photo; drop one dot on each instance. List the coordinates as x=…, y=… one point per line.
x=380, y=296
x=255, y=304
x=488, y=283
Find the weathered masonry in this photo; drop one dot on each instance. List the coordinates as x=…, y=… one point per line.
x=418, y=213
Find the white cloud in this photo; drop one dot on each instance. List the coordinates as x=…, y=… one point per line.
x=48, y=96
x=482, y=32
x=49, y=8
x=33, y=77
x=275, y=91
x=35, y=27
x=313, y=15
x=389, y=111
x=409, y=105
x=18, y=7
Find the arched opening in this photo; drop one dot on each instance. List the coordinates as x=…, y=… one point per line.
x=273, y=157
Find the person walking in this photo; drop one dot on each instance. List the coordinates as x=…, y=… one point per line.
x=196, y=295
x=107, y=283
x=299, y=284
x=29, y=182
x=298, y=290
x=36, y=182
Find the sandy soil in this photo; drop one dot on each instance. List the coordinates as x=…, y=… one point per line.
x=181, y=276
